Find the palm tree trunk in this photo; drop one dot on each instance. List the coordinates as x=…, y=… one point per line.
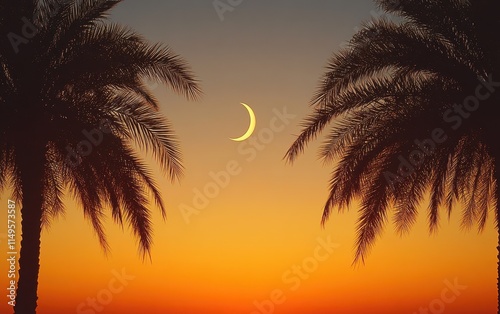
x=498, y=245
x=31, y=169
x=497, y=195
x=495, y=151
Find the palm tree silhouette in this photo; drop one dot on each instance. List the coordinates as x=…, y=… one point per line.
x=412, y=106
x=75, y=112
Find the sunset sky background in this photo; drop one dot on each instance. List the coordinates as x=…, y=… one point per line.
x=270, y=55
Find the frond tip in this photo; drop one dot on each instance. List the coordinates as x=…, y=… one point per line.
x=80, y=83
x=392, y=101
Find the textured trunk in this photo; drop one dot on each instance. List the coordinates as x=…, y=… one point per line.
x=30, y=160
x=497, y=195
x=495, y=149
x=495, y=152
x=31, y=167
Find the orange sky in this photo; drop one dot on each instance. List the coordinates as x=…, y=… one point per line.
x=258, y=238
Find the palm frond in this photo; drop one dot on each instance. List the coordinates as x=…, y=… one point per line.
x=385, y=96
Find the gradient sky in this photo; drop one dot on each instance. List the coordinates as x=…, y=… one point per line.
x=243, y=246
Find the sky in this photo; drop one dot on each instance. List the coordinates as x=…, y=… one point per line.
x=243, y=232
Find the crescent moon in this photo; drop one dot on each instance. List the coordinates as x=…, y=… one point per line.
x=251, y=128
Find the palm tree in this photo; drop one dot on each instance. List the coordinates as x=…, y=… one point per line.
x=77, y=81
x=411, y=104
